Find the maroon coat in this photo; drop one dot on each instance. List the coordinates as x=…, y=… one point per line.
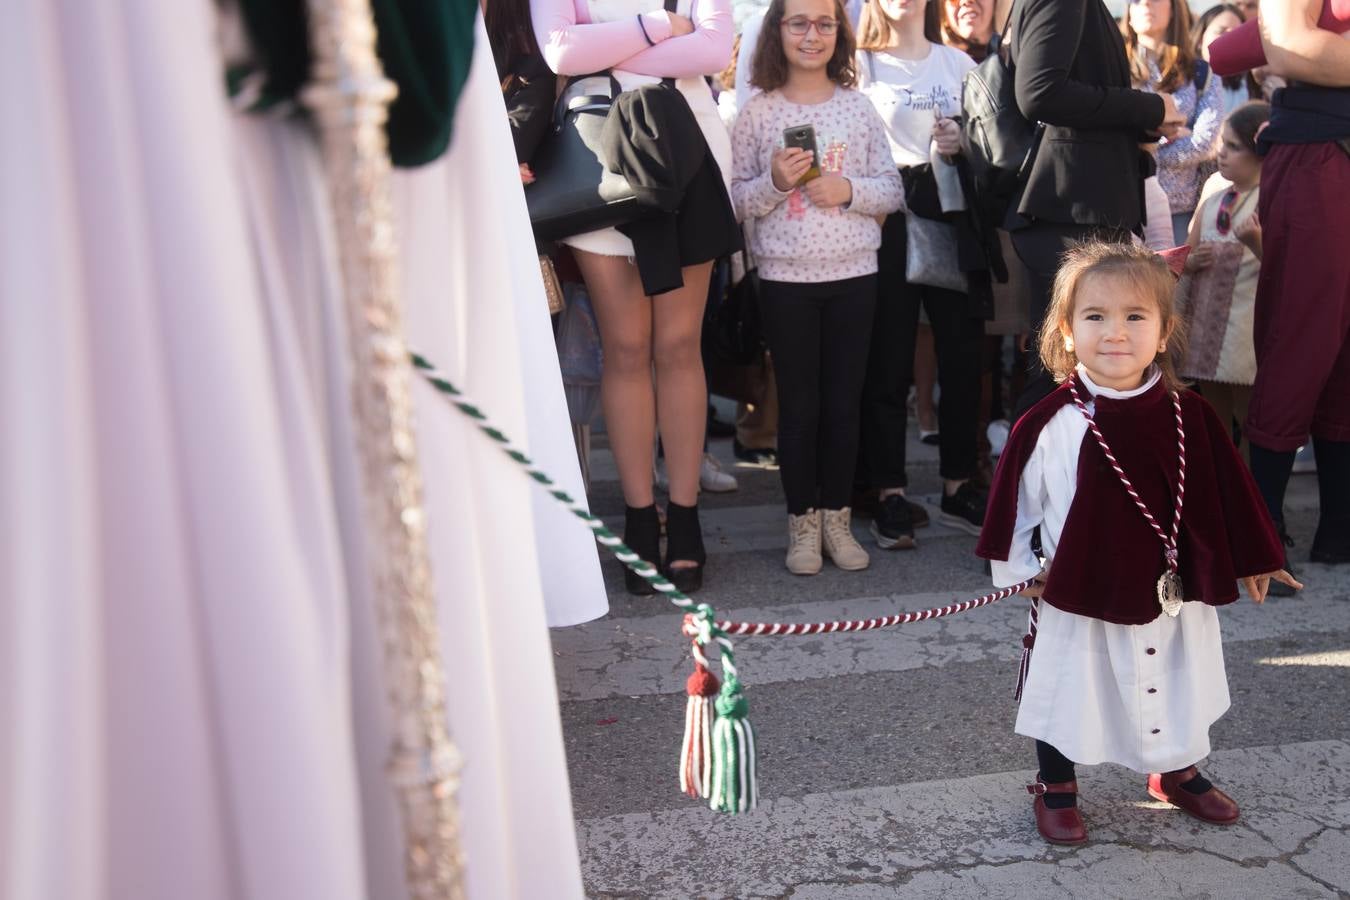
x=1108, y=558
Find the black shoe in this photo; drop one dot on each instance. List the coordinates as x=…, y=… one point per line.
x=892, y=527
x=759, y=458
x=1278, y=588
x=684, y=543
x=918, y=515
x=964, y=509
x=642, y=534
x=716, y=427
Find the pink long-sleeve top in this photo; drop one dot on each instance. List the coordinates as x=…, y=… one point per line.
x=574, y=42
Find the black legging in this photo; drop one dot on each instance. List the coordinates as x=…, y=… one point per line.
x=957, y=337
x=818, y=336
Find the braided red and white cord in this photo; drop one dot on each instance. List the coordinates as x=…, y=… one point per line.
x=808, y=628
x=1169, y=540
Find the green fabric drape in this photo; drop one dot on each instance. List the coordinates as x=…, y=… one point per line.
x=426, y=47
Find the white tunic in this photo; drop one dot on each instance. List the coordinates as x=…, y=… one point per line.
x=191, y=687
x=1141, y=696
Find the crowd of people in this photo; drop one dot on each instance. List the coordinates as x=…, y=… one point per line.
x=876, y=280
x=1136, y=259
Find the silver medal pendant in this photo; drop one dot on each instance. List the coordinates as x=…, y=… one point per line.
x=1170, y=593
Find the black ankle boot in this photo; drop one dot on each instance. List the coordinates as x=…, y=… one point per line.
x=684, y=543
x=642, y=534
x=1331, y=544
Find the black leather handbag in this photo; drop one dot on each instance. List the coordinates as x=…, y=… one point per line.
x=997, y=140
x=573, y=191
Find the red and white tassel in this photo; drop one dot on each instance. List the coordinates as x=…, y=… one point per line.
x=1028, y=642
x=696, y=750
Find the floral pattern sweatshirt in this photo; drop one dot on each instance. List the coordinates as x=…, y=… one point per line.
x=792, y=239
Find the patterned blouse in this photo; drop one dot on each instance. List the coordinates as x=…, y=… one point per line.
x=1181, y=162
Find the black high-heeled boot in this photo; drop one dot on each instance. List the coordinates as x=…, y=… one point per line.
x=642, y=534
x=684, y=543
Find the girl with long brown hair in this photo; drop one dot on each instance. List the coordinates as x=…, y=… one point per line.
x=813, y=170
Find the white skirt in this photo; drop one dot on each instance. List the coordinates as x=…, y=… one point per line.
x=1140, y=696
x=608, y=241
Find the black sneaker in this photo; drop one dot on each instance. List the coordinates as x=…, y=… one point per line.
x=1277, y=588
x=755, y=457
x=964, y=509
x=893, y=527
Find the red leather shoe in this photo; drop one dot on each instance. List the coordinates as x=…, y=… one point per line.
x=1058, y=826
x=1213, y=806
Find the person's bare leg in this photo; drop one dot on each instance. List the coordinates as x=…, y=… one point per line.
x=624, y=315
x=681, y=391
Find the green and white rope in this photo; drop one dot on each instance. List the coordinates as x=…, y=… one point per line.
x=704, y=616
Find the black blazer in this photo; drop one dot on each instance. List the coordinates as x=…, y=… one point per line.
x=1071, y=73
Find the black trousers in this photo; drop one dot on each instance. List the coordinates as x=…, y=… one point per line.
x=958, y=336
x=1040, y=246
x=818, y=336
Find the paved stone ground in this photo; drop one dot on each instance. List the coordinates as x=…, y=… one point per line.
x=888, y=764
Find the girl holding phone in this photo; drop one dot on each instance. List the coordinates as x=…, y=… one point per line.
x=816, y=244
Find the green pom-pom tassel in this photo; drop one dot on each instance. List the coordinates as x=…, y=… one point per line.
x=735, y=787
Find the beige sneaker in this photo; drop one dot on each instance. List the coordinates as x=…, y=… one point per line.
x=803, y=556
x=839, y=543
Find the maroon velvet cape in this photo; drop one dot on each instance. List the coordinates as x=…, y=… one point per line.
x=1108, y=558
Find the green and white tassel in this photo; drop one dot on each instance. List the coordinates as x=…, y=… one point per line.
x=735, y=785
x=732, y=738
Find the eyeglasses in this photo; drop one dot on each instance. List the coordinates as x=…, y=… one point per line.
x=800, y=25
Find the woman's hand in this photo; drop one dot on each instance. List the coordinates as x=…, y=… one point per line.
x=1037, y=586
x=1248, y=232
x=1257, y=585
x=1172, y=121
x=526, y=176
x=947, y=137
x=828, y=190
x=788, y=166
x=679, y=25
x=1201, y=257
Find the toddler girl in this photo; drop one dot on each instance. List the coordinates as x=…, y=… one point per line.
x=1123, y=671
x=816, y=234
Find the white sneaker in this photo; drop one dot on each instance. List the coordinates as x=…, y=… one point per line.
x=997, y=432
x=838, y=541
x=803, y=555
x=712, y=479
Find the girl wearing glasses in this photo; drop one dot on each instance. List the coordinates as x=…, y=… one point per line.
x=1163, y=59
x=1219, y=294
x=815, y=206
